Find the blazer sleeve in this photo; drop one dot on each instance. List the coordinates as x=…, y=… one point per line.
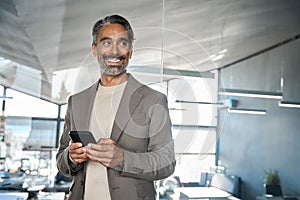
x=159, y=160
x=64, y=164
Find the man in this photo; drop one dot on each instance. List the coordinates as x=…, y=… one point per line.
x=129, y=120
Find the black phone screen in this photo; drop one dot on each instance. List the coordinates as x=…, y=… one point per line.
x=85, y=137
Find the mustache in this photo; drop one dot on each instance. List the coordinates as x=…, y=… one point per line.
x=118, y=56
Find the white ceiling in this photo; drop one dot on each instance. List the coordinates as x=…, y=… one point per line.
x=42, y=38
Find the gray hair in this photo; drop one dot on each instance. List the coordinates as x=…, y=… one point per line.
x=112, y=19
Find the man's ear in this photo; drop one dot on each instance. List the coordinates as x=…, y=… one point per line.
x=94, y=50
x=130, y=53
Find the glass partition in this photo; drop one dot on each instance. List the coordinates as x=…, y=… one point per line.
x=172, y=68
x=194, y=117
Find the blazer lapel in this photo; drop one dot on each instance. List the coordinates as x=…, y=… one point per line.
x=132, y=96
x=83, y=112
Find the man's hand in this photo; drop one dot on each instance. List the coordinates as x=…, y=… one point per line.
x=77, y=152
x=106, y=151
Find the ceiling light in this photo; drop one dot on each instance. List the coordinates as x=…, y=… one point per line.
x=247, y=111
x=289, y=104
x=198, y=102
x=223, y=51
x=219, y=55
x=251, y=93
x=227, y=103
x=177, y=109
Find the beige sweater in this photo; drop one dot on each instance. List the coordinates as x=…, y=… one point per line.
x=106, y=104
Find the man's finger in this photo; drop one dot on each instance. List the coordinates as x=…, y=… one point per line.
x=75, y=145
x=106, y=141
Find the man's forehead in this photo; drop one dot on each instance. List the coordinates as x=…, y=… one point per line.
x=113, y=31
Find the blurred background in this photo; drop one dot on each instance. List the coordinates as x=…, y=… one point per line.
x=229, y=69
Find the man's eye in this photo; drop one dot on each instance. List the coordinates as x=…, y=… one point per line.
x=106, y=43
x=123, y=44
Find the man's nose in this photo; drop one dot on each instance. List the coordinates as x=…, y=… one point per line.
x=115, y=48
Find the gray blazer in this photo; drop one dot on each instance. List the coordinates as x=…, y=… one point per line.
x=142, y=128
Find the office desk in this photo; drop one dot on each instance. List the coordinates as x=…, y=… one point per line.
x=51, y=196
x=277, y=198
x=12, y=195
x=269, y=198
x=200, y=193
x=17, y=195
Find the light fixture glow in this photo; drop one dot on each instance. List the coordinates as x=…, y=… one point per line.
x=288, y=104
x=216, y=57
x=247, y=111
x=250, y=93
x=198, y=102
x=223, y=51
x=219, y=55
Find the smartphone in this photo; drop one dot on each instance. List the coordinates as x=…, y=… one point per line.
x=85, y=137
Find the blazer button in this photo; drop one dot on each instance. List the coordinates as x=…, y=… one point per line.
x=67, y=171
x=81, y=182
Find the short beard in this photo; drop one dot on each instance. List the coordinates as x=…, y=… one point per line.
x=112, y=70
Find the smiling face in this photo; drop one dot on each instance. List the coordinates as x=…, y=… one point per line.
x=113, y=49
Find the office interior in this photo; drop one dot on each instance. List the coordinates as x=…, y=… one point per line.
x=230, y=70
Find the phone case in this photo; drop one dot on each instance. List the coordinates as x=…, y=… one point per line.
x=85, y=137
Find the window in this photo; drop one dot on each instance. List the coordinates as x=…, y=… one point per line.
x=194, y=123
x=30, y=135
x=25, y=105
x=1, y=91
x=32, y=124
